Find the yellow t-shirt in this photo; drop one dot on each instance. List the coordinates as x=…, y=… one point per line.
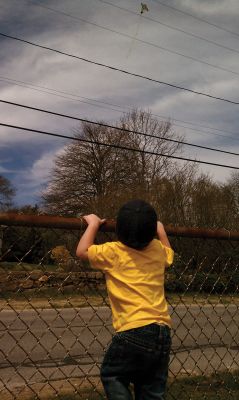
x=135, y=282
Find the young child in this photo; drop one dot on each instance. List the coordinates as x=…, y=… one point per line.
x=134, y=269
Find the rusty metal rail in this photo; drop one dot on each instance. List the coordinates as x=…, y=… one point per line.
x=49, y=221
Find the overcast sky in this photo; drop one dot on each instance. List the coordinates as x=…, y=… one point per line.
x=44, y=79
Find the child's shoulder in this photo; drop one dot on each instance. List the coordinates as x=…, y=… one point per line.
x=155, y=244
x=107, y=246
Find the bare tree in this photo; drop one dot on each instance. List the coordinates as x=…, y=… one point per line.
x=88, y=173
x=173, y=195
x=92, y=177
x=231, y=190
x=6, y=193
x=191, y=198
x=157, y=140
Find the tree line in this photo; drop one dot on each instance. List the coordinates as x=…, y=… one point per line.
x=90, y=177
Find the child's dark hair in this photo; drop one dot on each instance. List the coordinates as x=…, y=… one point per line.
x=136, y=224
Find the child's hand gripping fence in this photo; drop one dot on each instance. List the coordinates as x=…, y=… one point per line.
x=55, y=320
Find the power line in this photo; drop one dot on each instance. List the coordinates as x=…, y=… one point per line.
x=163, y=24
x=140, y=40
x=195, y=17
x=117, y=128
x=203, y=132
x=48, y=91
x=119, y=69
x=116, y=146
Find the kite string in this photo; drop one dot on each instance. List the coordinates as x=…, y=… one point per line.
x=134, y=37
x=144, y=8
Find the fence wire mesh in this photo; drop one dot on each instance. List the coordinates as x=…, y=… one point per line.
x=55, y=320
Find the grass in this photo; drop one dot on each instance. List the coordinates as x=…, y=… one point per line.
x=87, y=390
x=45, y=304
x=202, y=298
x=85, y=394
x=53, y=298
x=218, y=386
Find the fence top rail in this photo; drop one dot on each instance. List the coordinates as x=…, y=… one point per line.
x=49, y=221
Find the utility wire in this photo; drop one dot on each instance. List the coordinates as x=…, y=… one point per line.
x=118, y=69
x=195, y=17
x=117, y=128
x=116, y=146
x=163, y=24
x=141, y=41
x=45, y=89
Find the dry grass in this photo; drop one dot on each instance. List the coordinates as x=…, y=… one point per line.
x=51, y=300
x=218, y=386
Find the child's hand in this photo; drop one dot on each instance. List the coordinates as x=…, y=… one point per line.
x=88, y=237
x=93, y=219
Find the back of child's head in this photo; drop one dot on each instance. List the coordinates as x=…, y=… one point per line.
x=136, y=224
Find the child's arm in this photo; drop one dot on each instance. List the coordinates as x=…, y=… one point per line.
x=87, y=239
x=162, y=235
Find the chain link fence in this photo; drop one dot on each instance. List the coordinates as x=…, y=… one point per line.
x=55, y=320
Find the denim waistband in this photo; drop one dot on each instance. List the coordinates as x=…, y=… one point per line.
x=152, y=336
x=151, y=328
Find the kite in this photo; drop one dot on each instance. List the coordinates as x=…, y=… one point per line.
x=144, y=8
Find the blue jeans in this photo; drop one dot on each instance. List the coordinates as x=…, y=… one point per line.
x=139, y=356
